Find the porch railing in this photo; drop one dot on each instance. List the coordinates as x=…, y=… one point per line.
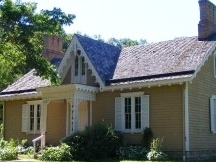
x=42, y=138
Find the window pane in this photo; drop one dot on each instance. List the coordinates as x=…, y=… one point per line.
x=38, y=116
x=31, y=117
x=76, y=66
x=137, y=112
x=127, y=113
x=83, y=66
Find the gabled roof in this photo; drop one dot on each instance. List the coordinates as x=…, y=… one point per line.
x=181, y=56
x=103, y=56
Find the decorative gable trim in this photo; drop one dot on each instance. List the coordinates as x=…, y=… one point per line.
x=67, y=59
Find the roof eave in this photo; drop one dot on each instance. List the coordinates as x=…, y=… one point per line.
x=16, y=96
x=148, y=84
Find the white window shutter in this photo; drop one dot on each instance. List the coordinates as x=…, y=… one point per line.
x=145, y=111
x=25, y=117
x=43, y=118
x=213, y=112
x=119, y=113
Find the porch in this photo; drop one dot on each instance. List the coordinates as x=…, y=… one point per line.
x=69, y=107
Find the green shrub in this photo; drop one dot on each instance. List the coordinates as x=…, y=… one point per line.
x=132, y=153
x=59, y=153
x=147, y=137
x=95, y=142
x=8, y=150
x=8, y=153
x=156, y=152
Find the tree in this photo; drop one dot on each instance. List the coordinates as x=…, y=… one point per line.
x=125, y=42
x=22, y=32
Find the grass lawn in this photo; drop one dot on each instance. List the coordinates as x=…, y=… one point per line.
x=31, y=157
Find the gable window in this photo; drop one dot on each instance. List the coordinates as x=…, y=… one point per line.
x=76, y=68
x=213, y=113
x=132, y=112
x=31, y=117
x=79, y=72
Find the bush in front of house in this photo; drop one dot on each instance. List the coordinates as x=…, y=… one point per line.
x=132, y=153
x=95, y=142
x=8, y=153
x=147, y=137
x=8, y=150
x=156, y=152
x=58, y=153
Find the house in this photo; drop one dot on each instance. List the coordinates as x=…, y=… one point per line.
x=169, y=86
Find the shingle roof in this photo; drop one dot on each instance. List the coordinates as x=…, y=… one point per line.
x=27, y=83
x=167, y=57
x=103, y=56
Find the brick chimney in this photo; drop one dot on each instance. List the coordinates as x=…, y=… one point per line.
x=52, y=47
x=207, y=23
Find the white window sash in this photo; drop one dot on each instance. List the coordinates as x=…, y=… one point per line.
x=144, y=111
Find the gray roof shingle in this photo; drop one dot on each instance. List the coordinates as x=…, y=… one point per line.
x=103, y=56
x=173, y=56
x=28, y=82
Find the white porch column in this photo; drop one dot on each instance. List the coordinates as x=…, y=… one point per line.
x=75, y=114
x=43, y=121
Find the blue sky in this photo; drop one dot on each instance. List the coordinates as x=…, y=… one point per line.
x=153, y=20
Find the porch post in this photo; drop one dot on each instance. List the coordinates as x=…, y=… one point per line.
x=43, y=121
x=75, y=114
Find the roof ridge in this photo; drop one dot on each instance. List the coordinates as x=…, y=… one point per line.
x=87, y=37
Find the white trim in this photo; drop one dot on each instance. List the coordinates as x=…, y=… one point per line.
x=186, y=117
x=34, y=102
x=94, y=72
x=148, y=84
x=64, y=65
x=132, y=94
x=29, y=95
x=66, y=61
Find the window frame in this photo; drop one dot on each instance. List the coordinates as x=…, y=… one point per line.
x=79, y=72
x=132, y=96
x=34, y=103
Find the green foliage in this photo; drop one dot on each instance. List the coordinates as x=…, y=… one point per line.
x=132, y=153
x=156, y=152
x=95, y=142
x=8, y=153
x=125, y=42
x=59, y=153
x=22, y=32
x=147, y=137
x=8, y=150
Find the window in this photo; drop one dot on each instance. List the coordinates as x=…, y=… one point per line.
x=31, y=117
x=132, y=112
x=213, y=113
x=76, y=68
x=79, y=72
x=35, y=117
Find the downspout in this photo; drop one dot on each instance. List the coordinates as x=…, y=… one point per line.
x=185, y=122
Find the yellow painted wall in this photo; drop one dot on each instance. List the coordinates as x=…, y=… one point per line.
x=166, y=114
x=200, y=91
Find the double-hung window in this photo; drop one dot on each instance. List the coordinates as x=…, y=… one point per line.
x=32, y=116
x=132, y=112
